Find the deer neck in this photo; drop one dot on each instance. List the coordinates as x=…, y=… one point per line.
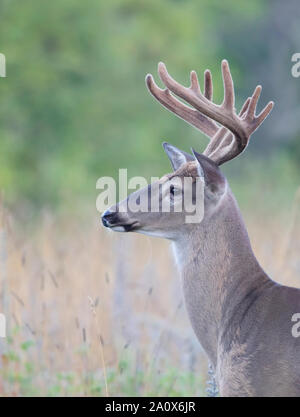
x=218, y=270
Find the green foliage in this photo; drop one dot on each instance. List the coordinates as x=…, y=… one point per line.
x=20, y=376
x=26, y=345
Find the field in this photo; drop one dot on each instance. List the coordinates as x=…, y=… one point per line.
x=91, y=312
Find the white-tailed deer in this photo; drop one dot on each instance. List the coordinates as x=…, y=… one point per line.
x=241, y=317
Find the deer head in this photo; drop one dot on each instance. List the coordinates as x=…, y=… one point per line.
x=229, y=135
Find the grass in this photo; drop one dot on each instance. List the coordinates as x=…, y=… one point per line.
x=90, y=312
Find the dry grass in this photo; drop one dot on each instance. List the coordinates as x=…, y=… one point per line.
x=91, y=312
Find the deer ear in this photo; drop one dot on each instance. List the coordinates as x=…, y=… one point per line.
x=176, y=156
x=213, y=177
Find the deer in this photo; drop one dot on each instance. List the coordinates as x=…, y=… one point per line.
x=241, y=317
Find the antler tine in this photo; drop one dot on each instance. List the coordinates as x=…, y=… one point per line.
x=256, y=121
x=192, y=116
x=208, y=85
x=253, y=102
x=224, y=147
x=216, y=140
x=245, y=107
x=195, y=86
x=264, y=113
x=228, y=102
x=178, y=89
x=223, y=137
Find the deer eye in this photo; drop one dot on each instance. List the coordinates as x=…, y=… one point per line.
x=174, y=191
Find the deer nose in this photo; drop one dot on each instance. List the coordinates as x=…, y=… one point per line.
x=108, y=218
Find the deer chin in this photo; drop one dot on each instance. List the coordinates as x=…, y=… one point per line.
x=131, y=227
x=117, y=228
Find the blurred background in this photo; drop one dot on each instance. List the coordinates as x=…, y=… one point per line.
x=89, y=312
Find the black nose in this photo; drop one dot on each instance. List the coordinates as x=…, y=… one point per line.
x=108, y=218
x=104, y=221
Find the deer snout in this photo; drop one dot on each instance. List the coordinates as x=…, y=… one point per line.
x=118, y=222
x=109, y=218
